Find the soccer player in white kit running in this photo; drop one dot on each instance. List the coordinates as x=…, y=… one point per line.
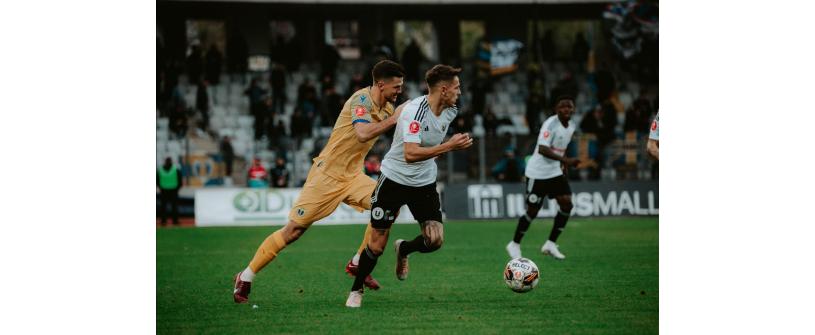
x=545, y=177
x=409, y=175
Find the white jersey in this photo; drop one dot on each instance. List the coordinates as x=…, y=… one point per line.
x=557, y=138
x=417, y=124
x=654, y=135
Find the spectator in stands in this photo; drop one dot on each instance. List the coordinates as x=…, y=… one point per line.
x=411, y=58
x=279, y=140
x=601, y=123
x=195, y=64
x=510, y=168
x=168, y=180
x=228, y=153
x=202, y=102
x=536, y=100
x=331, y=106
x=373, y=166
x=238, y=51
x=280, y=175
x=257, y=106
x=307, y=100
x=329, y=57
x=257, y=176
x=214, y=62
x=300, y=125
x=463, y=123
x=580, y=48
x=637, y=117
x=277, y=80
x=355, y=84
x=490, y=123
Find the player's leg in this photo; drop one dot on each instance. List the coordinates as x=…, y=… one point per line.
x=360, y=192
x=425, y=205
x=319, y=198
x=385, y=202
x=563, y=195
x=174, y=206
x=534, y=201
x=367, y=262
x=162, y=208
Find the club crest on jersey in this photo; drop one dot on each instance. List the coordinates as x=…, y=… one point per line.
x=545, y=134
x=414, y=127
x=360, y=111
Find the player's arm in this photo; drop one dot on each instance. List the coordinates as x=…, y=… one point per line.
x=547, y=152
x=415, y=153
x=367, y=130
x=653, y=148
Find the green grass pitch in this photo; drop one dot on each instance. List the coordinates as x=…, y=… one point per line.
x=608, y=283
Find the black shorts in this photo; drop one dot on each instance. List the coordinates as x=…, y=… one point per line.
x=389, y=196
x=537, y=189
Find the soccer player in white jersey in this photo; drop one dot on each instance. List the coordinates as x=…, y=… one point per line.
x=653, y=138
x=409, y=175
x=545, y=177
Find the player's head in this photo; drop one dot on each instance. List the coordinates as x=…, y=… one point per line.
x=443, y=79
x=564, y=107
x=388, y=79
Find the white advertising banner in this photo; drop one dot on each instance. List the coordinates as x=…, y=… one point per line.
x=257, y=207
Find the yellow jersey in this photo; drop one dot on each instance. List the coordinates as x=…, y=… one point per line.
x=343, y=155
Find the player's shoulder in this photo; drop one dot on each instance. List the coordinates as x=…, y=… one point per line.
x=362, y=97
x=550, y=123
x=414, y=107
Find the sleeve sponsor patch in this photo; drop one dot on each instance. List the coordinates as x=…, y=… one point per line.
x=654, y=125
x=360, y=111
x=546, y=134
x=414, y=127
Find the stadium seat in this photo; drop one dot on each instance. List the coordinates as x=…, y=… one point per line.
x=163, y=123
x=245, y=121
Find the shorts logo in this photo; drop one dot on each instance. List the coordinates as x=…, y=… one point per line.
x=360, y=111
x=545, y=134
x=301, y=212
x=414, y=127
x=533, y=198
x=378, y=213
x=654, y=125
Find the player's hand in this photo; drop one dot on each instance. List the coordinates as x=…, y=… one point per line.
x=460, y=141
x=571, y=161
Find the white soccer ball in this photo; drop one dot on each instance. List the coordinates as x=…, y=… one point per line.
x=521, y=275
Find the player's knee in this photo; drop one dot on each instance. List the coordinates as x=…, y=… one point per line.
x=292, y=232
x=376, y=249
x=434, y=235
x=566, y=206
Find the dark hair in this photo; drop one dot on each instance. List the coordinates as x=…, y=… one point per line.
x=387, y=69
x=562, y=97
x=440, y=73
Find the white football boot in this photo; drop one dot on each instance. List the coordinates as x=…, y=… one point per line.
x=514, y=249
x=354, y=299
x=550, y=248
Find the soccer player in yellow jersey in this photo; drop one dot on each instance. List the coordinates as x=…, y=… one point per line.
x=336, y=174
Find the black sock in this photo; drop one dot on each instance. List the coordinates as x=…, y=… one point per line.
x=520, y=230
x=367, y=262
x=560, y=223
x=417, y=244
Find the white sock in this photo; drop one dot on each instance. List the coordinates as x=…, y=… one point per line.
x=355, y=260
x=247, y=274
